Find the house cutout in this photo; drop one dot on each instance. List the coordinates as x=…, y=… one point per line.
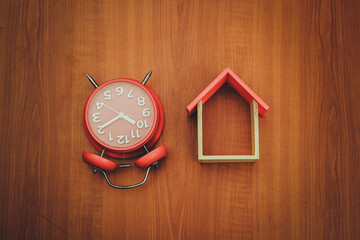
x=257, y=106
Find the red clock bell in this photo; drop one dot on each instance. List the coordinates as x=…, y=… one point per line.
x=123, y=118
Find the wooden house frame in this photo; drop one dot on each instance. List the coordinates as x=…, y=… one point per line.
x=257, y=106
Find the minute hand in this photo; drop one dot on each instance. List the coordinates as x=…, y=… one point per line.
x=111, y=121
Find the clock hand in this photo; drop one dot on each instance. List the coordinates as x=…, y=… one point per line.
x=127, y=118
x=121, y=115
x=111, y=108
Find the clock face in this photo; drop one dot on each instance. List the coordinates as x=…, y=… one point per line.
x=121, y=115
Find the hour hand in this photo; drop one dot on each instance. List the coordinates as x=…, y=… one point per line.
x=130, y=120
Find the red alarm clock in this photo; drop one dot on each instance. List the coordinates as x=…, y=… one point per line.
x=123, y=118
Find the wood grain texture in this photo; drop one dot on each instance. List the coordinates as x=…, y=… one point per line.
x=300, y=57
x=254, y=126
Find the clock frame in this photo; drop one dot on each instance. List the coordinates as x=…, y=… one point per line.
x=136, y=149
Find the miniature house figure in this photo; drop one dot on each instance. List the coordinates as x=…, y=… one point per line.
x=257, y=106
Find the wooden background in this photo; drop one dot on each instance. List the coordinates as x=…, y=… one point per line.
x=301, y=57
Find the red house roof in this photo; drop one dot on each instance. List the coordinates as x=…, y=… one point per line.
x=228, y=76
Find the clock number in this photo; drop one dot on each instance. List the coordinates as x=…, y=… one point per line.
x=120, y=141
x=100, y=130
x=140, y=124
x=137, y=134
x=146, y=125
x=130, y=93
x=99, y=105
x=119, y=91
x=96, y=117
x=141, y=101
x=146, y=112
x=110, y=138
x=107, y=95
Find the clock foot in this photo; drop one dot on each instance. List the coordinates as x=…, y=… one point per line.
x=123, y=187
